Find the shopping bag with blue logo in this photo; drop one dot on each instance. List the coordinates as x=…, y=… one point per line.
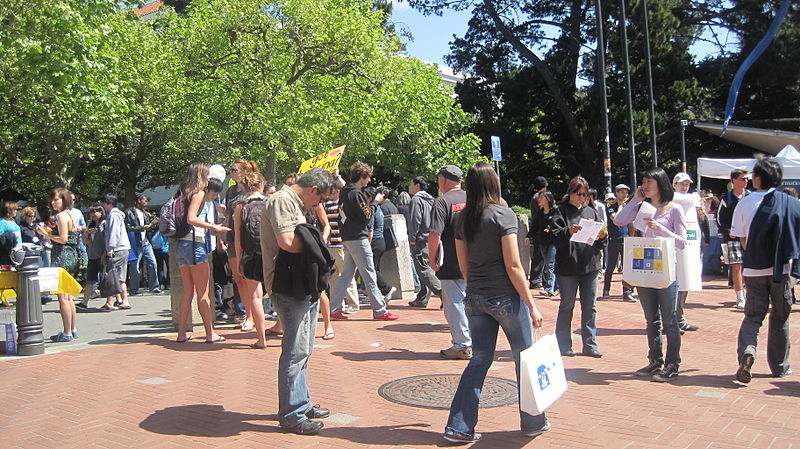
x=541, y=375
x=649, y=261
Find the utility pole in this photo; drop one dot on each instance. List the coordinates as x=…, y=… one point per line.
x=601, y=68
x=648, y=65
x=628, y=95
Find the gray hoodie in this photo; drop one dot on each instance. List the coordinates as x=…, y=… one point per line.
x=419, y=217
x=115, y=232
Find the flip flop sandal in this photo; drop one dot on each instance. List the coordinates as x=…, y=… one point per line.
x=106, y=308
x=219, y=339
x=328, y=336
x=274, y=333
x=185, y=339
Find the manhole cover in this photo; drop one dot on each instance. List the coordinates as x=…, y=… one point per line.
x=437, y=391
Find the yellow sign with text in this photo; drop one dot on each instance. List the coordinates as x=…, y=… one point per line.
x=328, y=160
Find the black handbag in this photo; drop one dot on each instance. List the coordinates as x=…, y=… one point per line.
x=110, y=282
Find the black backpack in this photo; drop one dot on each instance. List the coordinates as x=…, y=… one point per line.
x=250, y=263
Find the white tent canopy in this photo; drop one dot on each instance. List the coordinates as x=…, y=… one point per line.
x=789, y=158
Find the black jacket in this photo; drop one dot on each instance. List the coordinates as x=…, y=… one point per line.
x=132, y=224
x=574, y=259
x=306, y=273
x=773, y=239
x=354, y=213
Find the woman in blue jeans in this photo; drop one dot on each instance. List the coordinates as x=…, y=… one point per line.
x=577, y=265
x=497, y=296
x=659, y=304
x=542, y=225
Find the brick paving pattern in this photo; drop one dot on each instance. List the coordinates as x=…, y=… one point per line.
x=146, y=391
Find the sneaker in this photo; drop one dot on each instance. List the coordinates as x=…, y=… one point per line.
x=743, y=373
x=317, y=412
x=535, y=433
x=458, y=437
x=339, y=316
x=157, y=291
x=349, y=310
x=649, y=370
x=629, y=297
x=667, y=374
x=81, y=306
x=689, y=327
x=456, y=353
x=788, y=372
x=74, y=335
x=388, y=316
x=418, y=304
x=388, y=297
x=306, y=427
x=740, y=302
x=61, y=338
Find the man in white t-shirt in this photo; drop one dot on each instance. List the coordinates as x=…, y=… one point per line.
x=762, y=292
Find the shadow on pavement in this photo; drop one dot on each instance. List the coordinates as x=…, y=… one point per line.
x=785, y=389
x=706, y=380
x=205, y=420
x=602, y=331
x=586, y=376
x=390, y=354
x=417, y=327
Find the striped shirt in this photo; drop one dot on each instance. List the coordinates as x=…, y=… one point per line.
x=332, y=210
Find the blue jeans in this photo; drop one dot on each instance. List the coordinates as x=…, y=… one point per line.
x=587, y=283
x=485, y=316
x=358, y=254
x=660, y=304
x=549, y=273
x=145, y=252
x=299, y=319
x=453, y=291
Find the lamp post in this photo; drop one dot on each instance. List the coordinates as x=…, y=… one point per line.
x=683, y=145
x=601, y=68
x=628, y=95
x=651, y=111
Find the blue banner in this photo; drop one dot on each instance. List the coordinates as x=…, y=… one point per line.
x=751, y=59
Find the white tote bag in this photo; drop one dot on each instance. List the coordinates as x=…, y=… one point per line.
x=649, y=261
x=541, y=375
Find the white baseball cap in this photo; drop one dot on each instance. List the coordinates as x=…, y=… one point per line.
x=680, y=177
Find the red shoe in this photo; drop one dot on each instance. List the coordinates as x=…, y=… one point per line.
x=339, y=316
x=388, y=316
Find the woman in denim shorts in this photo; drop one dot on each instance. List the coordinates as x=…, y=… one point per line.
x=191, y=255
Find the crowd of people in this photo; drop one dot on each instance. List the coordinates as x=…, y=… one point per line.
x=311, y=246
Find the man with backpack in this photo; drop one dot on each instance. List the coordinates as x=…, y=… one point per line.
x=419, y=219
x=734, y=255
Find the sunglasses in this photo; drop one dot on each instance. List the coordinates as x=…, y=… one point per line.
x=580, y=193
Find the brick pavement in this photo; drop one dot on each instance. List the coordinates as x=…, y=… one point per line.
x=148, y=391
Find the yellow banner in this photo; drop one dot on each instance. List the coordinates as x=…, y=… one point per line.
x=328, y=160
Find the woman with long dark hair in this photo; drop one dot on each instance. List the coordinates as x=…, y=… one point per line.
x=542, y=234
x=191, y=255
x=577, y=265
x=497, y=296
x=659, y=304
x=65, y=254
x=95, y=243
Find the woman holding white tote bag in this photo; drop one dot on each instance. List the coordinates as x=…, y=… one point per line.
x=659, y=304
x=497, y=296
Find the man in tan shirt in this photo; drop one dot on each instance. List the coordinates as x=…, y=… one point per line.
x=283, y=212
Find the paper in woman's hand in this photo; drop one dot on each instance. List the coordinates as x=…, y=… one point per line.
x=646, y=211
x=588, y=233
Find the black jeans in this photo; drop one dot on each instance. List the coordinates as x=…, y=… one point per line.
x=613, y=254
x=761, y=294
x=162, y=267
x=378, y=248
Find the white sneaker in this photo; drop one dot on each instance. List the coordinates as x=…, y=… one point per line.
x=388, y=297
x=349, y=310
x=740, y=303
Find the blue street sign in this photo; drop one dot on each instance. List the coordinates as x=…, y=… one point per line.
x=496, y=153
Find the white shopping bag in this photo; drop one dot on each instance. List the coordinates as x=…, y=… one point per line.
x=649, y=261
x=541, y=375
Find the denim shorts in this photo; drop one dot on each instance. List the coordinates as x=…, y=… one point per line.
x=188, y=252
